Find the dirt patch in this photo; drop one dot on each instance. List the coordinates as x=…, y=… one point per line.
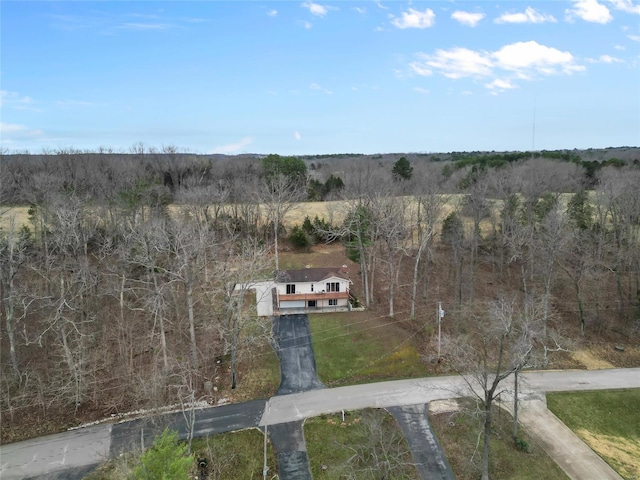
x=443, y=406
x=627, y=355
x=591, y=361
x=621, y=453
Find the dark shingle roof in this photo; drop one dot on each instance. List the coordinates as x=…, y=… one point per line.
x=312, y=274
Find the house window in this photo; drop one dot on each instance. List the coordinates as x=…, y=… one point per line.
x=312, y=287
x=333, y=302
x=291, y=288
x=333, y=287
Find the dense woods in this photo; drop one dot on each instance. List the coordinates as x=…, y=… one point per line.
x=119, y=291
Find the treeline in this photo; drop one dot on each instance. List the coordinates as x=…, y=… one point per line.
x=173, y=177
x=129, y=282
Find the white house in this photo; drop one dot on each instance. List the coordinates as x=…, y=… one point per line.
x=313, y=290
x=301, y=291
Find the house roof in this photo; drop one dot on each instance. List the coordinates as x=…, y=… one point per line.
x=313, y=274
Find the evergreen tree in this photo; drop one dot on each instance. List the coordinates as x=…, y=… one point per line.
x=402, y=169
x=166, y=460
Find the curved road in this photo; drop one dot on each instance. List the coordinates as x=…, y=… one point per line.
x=87, y=446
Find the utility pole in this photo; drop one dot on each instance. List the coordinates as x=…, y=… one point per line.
x=265, y=469
x=440, y=317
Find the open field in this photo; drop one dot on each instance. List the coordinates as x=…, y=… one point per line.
x=458, y=431
x=607, y=421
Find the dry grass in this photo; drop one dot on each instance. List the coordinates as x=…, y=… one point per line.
x=622, y=453
x=20, y=214
x=590, y=361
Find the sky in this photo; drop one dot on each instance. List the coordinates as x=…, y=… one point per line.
x=303, y=78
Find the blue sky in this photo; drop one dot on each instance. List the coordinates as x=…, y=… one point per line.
x=293, y=77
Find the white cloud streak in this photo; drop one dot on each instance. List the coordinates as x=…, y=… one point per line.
x=315, y=86
x=415, y=19
x=10, y=131
x=528, y=16
x=470, y=19
x=234, y=147
x=626, y=6
x=316, y=9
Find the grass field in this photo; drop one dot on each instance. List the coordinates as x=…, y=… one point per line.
x=458, y=433
x=607, y=421
x=367, y=445
x=355, y=348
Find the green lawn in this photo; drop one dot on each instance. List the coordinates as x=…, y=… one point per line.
x=367, y=445
x=350, y=349
x=608, y=421
x=458, y=433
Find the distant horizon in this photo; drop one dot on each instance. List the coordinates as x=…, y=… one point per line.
x=329, y=76
x=74, y=151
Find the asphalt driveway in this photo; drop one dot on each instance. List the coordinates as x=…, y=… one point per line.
x=297, y=362
x=428, y=456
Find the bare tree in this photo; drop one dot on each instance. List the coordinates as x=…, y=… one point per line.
x=240, y=327
x=549, y=243
x=278, y=196
x=13, y=255
x=187, y=244
x=497, y=343
x=145, y=248
x=430, y=204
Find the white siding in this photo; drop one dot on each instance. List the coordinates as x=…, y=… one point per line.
x=293, y=304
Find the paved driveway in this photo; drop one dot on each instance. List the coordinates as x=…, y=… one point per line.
x=288, y=441
x=297, y=361
x=428, y=455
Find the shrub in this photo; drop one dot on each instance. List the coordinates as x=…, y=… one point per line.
x=166, y=460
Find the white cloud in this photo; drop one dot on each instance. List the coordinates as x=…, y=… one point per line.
x=635, y=38
x=516, y=61
x=145, y=27
x=360, y=10
x=467, y=18
x=626, y=6
x=316, y=9
x=420, y=69
x=421, y=90
x=530, y=57
x=14, y=99
x=415, y=19
x=272, y=13
x=234, y=147
x=297, y=135
x=315, y=86
x=500, y=84
x=619, y=47
x=77, y=103
x=589, y=11
x=605, y=59
x=528, y=16
x=455, y=63
x=307, y=25
x=15, y=130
